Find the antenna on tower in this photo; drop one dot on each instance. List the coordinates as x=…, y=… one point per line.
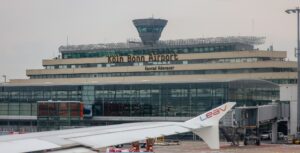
x=252, y=26
x=67, y=40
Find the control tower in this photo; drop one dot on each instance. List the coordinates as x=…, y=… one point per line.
x=149, y=29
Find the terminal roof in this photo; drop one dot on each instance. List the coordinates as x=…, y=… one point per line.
x=250, y=40
x=233, y=83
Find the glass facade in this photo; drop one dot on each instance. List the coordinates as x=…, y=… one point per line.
x=57, y=115
x=164, y=99
x=156, y=29
x=284, y=81
x=156, y=50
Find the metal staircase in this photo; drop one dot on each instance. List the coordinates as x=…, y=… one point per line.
x=230, y=135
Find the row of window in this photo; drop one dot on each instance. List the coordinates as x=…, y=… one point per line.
x=167, y=50
x=284, y=81
x=162, y=73
x=143, y=29
x=65, y=110
x=40, y=95
x=100, y=94
x=152, y=93
x=22, y=95
x=195, y=61
x=187, y=99
x=13, y=108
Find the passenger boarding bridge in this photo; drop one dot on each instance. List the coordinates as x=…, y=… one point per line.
x=251, y=118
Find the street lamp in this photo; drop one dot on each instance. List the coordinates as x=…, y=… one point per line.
x=289, y=11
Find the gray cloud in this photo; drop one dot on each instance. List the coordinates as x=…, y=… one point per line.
x=33, y=30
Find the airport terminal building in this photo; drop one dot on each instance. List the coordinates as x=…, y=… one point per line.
x=149, y=80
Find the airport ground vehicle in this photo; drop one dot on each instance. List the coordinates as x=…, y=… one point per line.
x=252, y=136
x=252, y=139
x=296, y=138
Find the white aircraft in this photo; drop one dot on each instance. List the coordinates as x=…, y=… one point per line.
x=205, y=125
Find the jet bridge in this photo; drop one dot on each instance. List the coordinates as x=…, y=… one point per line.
x=250, y=118
x=257, y=115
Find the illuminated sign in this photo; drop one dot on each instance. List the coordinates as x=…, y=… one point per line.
x=212, y=113
x=142, y=58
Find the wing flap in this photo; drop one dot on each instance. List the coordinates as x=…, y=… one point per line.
x=109, y=139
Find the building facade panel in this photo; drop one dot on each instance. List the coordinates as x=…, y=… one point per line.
x=191, y=56
x=178, y=78
x=267, y=64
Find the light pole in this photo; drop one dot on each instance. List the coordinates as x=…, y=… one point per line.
x=4, y=76
x=289, y=11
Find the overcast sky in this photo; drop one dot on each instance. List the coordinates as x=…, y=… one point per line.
x=32, y=30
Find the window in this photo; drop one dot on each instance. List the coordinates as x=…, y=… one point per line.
x=62, y=66
x=179, y=92
x=50, y=67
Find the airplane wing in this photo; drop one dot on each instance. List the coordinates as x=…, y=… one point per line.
x=205, y=125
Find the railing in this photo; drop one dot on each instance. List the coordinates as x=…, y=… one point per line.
x=251, y=40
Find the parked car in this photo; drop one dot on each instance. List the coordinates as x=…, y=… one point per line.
x=265, y=136
x=280, y=136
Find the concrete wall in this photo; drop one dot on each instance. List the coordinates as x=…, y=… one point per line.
x=218, y=66
x=153, y=79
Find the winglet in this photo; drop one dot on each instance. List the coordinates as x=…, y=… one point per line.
x=206, y=125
